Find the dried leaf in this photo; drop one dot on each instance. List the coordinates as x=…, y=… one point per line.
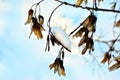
x=41, y=19
x=59, y=70
x=82, y=41
x=117, y=58
x=79, y=2
x=91, y=20
x=37, y=28
x=90, y=43
x=30, y=15
x=87, y=21
x=117, y=24
x=106, y=58
x=91, y=28
x=109, y=59
x=39, y=34
x=80, y=32
x=58, y=67
x=114, y=66
x=63, y=72
x=84, y=50
x=33, y=27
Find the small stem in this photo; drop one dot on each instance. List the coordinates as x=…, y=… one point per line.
x=48, y=23
x=59, y=55
x=35, y=11
x=39, y=10
x=37, y=3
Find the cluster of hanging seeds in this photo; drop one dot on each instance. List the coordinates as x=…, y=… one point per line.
x=36, y=22
x=88, y=26
x=58, y=36
x=108, y=56
x=58, y=64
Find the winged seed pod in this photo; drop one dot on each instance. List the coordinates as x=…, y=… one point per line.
x=106, y=58
x=36, y=28
x=91, y=28
x=79, y=2
x=30, y=15
x=117, y=58
x=90, y=44
x=114, y=66
x=41, y=19
x=58, y=67
x=117, y=24
x=80, y=32
x=82, y=41
x=85, y=49
x=91, y=20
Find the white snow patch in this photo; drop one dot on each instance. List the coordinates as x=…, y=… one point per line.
x=62, y=37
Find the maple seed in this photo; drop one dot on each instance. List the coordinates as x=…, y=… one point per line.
x=58, y=67
x=91, y=20
x=41, y=19
x=117, y=23
x=114, y=66
x=80, y=32
x=36, y=28
x=79, y=2
x=30, y=15
x=106, y=58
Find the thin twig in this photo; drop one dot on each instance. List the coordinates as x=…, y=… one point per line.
x=89, y=8
x=112, y=43
x=78, y=26
x=48, y=23
x=37, y=3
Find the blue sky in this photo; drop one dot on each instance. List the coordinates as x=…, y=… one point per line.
x=25, y=59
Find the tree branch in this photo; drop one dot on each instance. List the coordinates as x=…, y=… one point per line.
x=110, y=45
x=89, y=8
